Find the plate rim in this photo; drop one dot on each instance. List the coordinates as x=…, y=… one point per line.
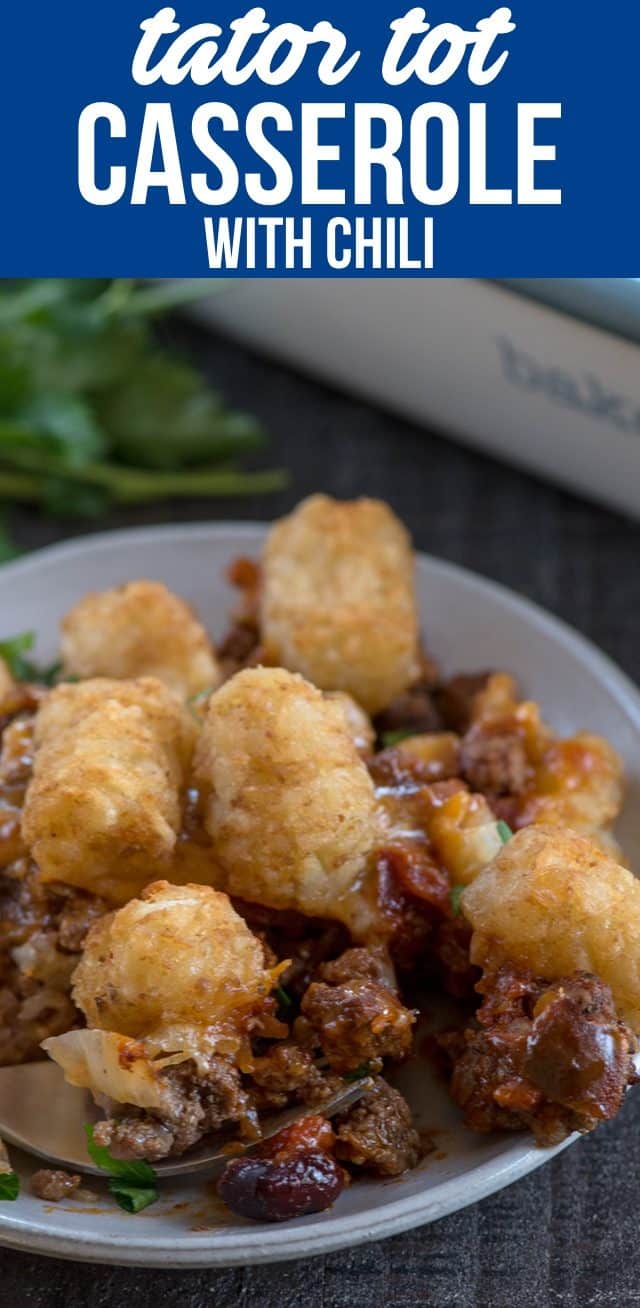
x=229, y=1247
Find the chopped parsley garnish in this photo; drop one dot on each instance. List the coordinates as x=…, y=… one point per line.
x=358, y=1072
x=50, y=674
x=201, y=695
x=132, y=1198
x=504, y=831
x=14, y=651
x=196, y=702
x=283, y=997
x=455, y=897
x=390, y=738
x=9, y=1185
x=133, y=1182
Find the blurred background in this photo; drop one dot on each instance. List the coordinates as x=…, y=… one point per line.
x=110, y=402
x=497, y=419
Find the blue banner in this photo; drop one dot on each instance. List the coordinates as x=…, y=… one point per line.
x=320, y=140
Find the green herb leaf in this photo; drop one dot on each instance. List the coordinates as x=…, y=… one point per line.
x=72, y=499
x=134, y=1171
x=196, y=702
x=24, y=669
x=68, y=426
x=455, y=896
x=164, y=416
x=49, y=675
x=284, y=998
x=358, y=1072
x=504, y=831
x=391, y=738
x=29, y=298
x=9, y=1185
x=133, y=1198
x=13, y=651
x=201, y=695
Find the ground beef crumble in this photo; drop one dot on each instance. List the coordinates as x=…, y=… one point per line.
x=241, y=646
x=415, y=710
x=42, y=926
x=200, y=1102
x=455, y=699
x=370, y=964
x=54, y=1185
x=286, y=1073
x=494, y=762
x=355, y=1023
x=377, y=1133
x=42, y=930
x=550, y=1056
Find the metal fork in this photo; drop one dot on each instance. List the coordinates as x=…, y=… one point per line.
x=44, y=1115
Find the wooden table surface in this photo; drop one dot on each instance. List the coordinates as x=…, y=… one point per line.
x=569, y=1234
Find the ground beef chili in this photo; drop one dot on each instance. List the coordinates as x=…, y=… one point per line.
x=377, y=1133
x=42, y=926
x=450, y=960
x=549, y=1056
x=241, y=647
x=286, y=1073
x=410, y=920
x=455, y=699
x=356, y=1023
x=305, y=942
x=371, y=964
x=201, y=1101
x=494, y=762
x=413, y=711
x=42, y=930
x=427, y=941
x=54, y=1185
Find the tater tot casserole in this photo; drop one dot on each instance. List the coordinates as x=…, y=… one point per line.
x=232, y=876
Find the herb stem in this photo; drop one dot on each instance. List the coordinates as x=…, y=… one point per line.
x=165, y=296
x=137, y=485
x=20, y=486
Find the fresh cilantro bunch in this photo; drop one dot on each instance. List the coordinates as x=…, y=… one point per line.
x=94, y=413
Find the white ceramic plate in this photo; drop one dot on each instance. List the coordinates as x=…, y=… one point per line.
x=469, y=624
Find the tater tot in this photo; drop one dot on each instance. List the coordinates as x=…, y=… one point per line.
x=102, y=810
x=140, y=629
x=288, y=803
x=178, y=954
x=337, y=601
x=359, y=724
x=7, y=683
x=553, y=902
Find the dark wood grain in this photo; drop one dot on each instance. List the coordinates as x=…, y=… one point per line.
x=567, y=1235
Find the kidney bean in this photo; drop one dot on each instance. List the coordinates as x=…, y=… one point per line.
x=276, y=1192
